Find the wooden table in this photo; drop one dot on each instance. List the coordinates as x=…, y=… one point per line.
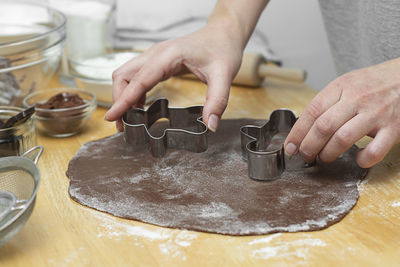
x=61, y=232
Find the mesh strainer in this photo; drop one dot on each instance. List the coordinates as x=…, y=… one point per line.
x=19, y=181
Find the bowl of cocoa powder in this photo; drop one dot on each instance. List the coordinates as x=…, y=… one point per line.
x=61, y=112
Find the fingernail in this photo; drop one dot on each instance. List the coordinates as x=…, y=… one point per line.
x=109, y=111
x=213, y=122
x=291, y=149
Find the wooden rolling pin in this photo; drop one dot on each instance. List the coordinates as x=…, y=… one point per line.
x=255, y=69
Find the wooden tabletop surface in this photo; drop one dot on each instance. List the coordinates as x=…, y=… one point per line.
x=61, y=232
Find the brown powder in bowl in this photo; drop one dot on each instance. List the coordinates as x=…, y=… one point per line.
x=62, y=121
x=62, y=100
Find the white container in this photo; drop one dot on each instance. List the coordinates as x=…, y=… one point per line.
x=90, y=24
x=87, y=25
x=95, y=75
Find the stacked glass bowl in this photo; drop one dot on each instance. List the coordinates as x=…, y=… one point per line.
x=32, y=39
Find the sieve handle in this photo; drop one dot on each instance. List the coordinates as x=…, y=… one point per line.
x=37, y=156
x=19, y=205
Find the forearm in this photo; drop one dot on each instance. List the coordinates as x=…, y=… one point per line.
x=238, y=18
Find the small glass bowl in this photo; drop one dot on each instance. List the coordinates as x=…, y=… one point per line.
x=95, y=73
x=14, y=141
x=61, y=122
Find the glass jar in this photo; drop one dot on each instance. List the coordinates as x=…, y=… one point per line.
x=90, y=26
x=14, y=141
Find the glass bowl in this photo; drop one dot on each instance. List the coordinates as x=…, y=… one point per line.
x=95, y=75
x=32, y=39
x=14, y=141
x=61, y=122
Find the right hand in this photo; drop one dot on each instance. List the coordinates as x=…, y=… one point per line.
x=211, y=53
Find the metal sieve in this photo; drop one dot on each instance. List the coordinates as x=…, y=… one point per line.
x=19, y=181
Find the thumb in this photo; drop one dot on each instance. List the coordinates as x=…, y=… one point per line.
x=216, y=101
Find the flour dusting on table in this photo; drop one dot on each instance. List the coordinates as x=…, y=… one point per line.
x=272, y=247
x=170, y=242
x=396, y=204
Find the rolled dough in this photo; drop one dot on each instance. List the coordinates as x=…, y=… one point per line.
x=210, y=191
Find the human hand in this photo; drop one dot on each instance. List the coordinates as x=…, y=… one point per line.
x=364, y=102
x=212, y=54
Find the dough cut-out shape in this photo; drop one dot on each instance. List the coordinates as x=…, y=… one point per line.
x=186, y=130
x=263, y=150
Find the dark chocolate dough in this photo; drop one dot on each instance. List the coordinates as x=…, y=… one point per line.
x=210, y=191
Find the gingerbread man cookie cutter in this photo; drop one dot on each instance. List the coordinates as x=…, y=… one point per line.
x=186, y=129
x=262, y=147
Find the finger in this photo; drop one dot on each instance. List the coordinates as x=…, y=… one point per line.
x=133, y=63
x=122, y=75
x=324, y=127
x=145, y=79
x=132, y=94
x=346, y=136
x=322, y=102
x=119, y=84
x=217, y=100
x=119, y=125
x=141, y=102
x=377, y=149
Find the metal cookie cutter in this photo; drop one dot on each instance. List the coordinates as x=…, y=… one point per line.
x=186, y=129
x=262, y=147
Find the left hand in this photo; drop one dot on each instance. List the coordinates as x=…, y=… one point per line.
x=364, y=102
